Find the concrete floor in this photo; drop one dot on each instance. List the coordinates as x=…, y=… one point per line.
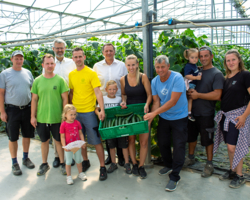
x=119, y=185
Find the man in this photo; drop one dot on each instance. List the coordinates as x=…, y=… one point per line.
x=208, y=90
x=84, y=90
x=63, y=67
x=15, y=84
x=110, y=69
x=170, y=103
x=49, y=96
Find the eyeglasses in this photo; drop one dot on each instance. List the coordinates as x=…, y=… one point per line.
x=59, y=48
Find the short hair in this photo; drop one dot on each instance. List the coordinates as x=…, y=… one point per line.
x=59, y=41
x=160, y=58
x=188, y=52
x=47, y=55
x=237, y=54
x=110, y=82
x=206, y=48
x=108, y=44
x=78, y=49
x=67, y=108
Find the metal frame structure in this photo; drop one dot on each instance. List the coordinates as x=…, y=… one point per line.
x=31, y=21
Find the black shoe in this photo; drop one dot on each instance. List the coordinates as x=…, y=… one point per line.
x=135, y=170
x=228, y=175
x=142, y=172
x=16, y=169
x=85, y=165
x=56, y=162
x=73, y=162
x=121, y=162
x=108, y=161
x=103, y=174
x=43, y=169
x=191, y=117
x=112, y=167
x=237, y=181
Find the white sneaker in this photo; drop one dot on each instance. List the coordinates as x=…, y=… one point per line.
x=82, y=176
x=69, y=180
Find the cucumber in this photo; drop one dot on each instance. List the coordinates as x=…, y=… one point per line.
x=104, y=123
x=116, y=121
x=113, y=122
x=128, y=118
x=140, y=117
x=134, y=119
x=123, y=115
x=124, y=121
x=119, y=120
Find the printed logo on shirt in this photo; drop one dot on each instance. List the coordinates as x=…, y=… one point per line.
x=55, y=87
x=164, y=91
x=233, y=83
x=196, y=71
x=110, y=105
x=83, y=81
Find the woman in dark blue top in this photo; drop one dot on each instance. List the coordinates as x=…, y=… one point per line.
x=136, y=89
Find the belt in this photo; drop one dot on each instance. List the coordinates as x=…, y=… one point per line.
x=20, y=107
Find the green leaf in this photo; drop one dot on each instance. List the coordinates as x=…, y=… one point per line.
x=6, y=62
x=139, y=54
x=95, y=45
x=34, y=52
x=172, y=60
x=129, y=52
x=176, y=68
x=69, y=43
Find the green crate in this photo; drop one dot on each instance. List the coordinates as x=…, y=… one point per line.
x=126, y=129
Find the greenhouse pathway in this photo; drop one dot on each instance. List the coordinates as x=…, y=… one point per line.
x=119, y=185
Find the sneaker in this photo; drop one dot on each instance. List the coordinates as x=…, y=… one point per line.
x=228, y=175
x=135, y=170
x=62, y=169
x=207, y=171
x=165, y=171
x=191, y=117
x=85, y=165
x=42, y=169
x=27, y=162
x=142, y=172
x=127, y=168
x=56, y=162
x=69, y=180
x=237, y=181
x=171, y=186
x=82, y=176
x=112, y=167
x=121, y=162
x=188, y=162
x=103, y=174
x=16, y=169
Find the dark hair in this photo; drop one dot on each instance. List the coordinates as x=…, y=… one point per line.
x=237, y=54
x=78, y=49
x=48, y=56
x=107, y=44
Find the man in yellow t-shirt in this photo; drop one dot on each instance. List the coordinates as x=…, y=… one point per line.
x=84, y=90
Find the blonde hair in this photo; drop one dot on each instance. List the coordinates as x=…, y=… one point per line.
x=111, y=82
x=131, y=57
x=188, y=52
x=66, y=109
x=241, y=64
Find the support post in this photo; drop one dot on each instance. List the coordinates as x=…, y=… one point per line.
x=29, y=22
x=60, y=15
x=212, y=16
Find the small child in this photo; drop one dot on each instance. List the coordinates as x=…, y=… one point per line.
x=111, y=101
x=191, y=72
x=71, y=131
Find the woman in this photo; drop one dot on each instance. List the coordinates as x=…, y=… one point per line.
x=233, y=120
x=136, y=88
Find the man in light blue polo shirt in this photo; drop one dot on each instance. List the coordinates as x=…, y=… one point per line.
x=170, y=103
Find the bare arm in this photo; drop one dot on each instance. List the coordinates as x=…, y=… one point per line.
x=169, y=104
x=99, y=98
x=82, y=138
x=124, y=96
x=147, y=87
x=211, y=96
x=64, y=98
x=2, y=109
x=34, y=102
x=63, y=142
x=191, y=77
x=71, y=96
x=97, y=110
x=156, y=104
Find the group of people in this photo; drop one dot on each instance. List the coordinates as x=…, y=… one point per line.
x=68, y=96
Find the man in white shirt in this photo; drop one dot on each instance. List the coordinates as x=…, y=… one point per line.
x=110, y=69
x=63, y=67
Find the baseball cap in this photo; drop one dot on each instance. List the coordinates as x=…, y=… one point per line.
x=206, y=48
x=17, y=52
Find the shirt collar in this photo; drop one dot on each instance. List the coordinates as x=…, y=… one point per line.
x=114, y=62
x=63, y=60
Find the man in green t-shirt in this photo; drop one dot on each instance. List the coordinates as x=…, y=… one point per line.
x=49, y=96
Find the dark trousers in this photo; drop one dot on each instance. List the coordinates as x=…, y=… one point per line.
x=118, y=151
x=177, y=130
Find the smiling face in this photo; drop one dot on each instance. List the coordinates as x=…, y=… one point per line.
x=193, y=58
x=206, y=58
x=59, y=50
x=78, y=58
x=48, y=65
x=232, y=62
x=132, y=65
x=108, y=52
x=162, y=69
x=111, y=90
x=17, y=61
x=70, y=116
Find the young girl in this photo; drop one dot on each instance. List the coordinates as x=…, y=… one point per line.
x=71, y=131
x=191, y=72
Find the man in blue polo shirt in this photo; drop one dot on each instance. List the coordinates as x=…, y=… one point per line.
x=170, y=103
